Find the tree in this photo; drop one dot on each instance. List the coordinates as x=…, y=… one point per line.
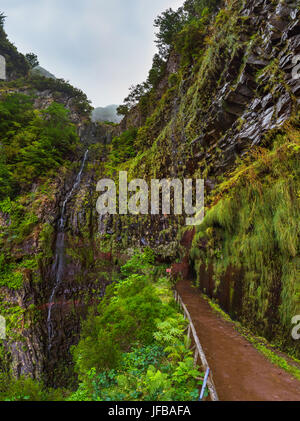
x=2, y=19
x=169, y=23
x=195, y=8
x=157, y=71
x=32, y=142
x=135, y=94
x=32, y=60
x=123, y=110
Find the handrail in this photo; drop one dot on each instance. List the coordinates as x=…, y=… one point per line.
x=199, y=350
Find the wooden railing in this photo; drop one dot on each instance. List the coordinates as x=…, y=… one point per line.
x=198, y=349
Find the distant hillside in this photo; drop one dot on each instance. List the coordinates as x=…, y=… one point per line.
x=42, y=72
x=108, y=113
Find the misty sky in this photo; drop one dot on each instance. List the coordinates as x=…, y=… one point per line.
x=100, y=46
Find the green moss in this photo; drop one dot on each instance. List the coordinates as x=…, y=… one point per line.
x=254, y=228
x=46, y=240
x=11, y=278
x=121, y=149
x=14, y=316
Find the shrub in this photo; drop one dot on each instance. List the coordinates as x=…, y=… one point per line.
x=33, y=142
x=121, y=353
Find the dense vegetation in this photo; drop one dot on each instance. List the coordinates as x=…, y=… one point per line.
x=62, y=89
x=246, y=254
x=253, y=227
x=121, y=150
x=32, y=142
x=132, y=346
x=169, y=26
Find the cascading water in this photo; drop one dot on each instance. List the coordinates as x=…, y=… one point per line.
x=58, y=265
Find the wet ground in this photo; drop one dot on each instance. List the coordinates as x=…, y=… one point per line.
x=240, y=372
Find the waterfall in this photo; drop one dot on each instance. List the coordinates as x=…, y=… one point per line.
x=58, y=265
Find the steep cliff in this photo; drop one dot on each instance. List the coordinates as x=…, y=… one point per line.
x=33, y=192
x=227, y=110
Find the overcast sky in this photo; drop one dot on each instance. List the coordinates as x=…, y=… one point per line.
x=100, y=46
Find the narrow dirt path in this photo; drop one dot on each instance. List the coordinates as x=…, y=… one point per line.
x=240, y=372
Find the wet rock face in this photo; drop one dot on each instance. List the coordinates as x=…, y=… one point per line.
x=83, y=283
x=25, y=349
x=134, y=119
x=254, y=93
x=71, y=306
x=251, y=93
x=90, y=133
x=265, y=91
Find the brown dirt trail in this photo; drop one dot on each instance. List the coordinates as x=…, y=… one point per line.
x=240, y=372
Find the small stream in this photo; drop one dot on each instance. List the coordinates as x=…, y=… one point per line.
x=57, y=269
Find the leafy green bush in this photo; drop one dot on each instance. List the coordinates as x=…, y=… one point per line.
x=32, y=142
x=11, y=278
x=25, y=389
x=127, y=315
x=189, y=41
x=135, y=347
x=122, y=149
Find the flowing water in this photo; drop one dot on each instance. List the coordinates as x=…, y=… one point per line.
x=58, y=265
